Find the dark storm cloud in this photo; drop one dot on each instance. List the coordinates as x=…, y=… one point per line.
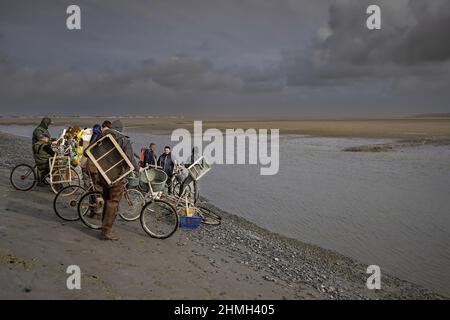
x=178, y=77
x=413, y=32
x=225, y=57
x=412, y=42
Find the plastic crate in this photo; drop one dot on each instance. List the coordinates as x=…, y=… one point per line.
x=190, y=222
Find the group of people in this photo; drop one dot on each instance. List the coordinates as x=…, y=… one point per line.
x=43, y=150
x=165, y=161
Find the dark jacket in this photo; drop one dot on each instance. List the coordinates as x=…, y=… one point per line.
x=123, y=141
x=150, y=158
x=42, y=152
x=41, y=129
x=96, y=132
x=165, y=161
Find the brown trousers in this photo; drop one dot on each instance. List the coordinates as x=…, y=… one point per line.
x=112, y=196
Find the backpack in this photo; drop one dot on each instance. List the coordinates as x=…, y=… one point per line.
x=142, y=156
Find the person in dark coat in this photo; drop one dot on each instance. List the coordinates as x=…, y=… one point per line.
x=42, y=128
x=150, y=157
x=167, y=164
x=42, y=151
x=112, y=194
x=96, y=132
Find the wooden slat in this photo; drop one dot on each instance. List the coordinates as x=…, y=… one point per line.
x=106, y=153
x=114, y=165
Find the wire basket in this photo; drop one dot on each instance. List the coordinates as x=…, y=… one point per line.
x=132, y=180
x=156, y=177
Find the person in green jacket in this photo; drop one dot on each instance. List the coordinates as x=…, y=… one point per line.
x=42, y=151
x=41, y=129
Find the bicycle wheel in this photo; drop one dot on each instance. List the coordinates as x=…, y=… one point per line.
x=56, y=185
x=208, y=216
x=131, y=205
x=159, y=219
x=66, y=201
x=23, y=177
x=90, y=209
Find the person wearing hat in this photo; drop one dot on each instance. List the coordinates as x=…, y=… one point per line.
x=41, y=129
x=42, y=151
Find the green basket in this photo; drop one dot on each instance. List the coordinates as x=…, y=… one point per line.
x=157, y=179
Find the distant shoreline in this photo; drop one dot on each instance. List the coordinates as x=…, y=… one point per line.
x=396, y=128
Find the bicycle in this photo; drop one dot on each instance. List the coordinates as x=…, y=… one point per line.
x=24, y=177
x=181, y=180
x=66, y=204
x=62, y=172
x=209, y=217
x=185, y=199
x=158, y=218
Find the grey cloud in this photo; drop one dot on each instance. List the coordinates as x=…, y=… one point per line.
x=412, y=42
x=427, y=40
x=184, y=73
x=413, y=31
x=177, y=80
x=238, y=56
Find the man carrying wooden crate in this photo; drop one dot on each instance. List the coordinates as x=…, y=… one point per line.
x=112, y=194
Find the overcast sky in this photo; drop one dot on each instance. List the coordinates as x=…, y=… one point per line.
x=271, y=58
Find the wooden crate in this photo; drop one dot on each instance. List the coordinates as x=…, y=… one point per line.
x=110, y=160
x=60, y=169
x=199, y=168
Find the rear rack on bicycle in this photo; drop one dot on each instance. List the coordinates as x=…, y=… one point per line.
x=110, y=160
x=60, y=169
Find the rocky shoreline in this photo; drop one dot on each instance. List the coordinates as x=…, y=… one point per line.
x=237, y=255
x=400, y=144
